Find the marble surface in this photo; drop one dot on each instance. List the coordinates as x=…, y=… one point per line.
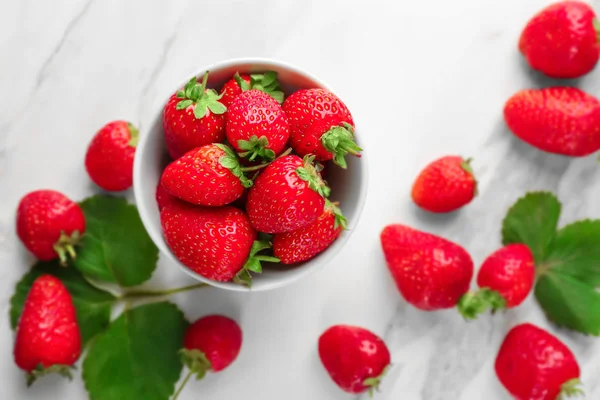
x=422, y=78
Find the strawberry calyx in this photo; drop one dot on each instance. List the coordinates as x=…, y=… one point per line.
x=196, y=361
x=596, y=25
x=373, y=383
x=253, y=263
x=205, y=100
x=570, y=389
x=134, y=135
x=309, y=172
x=466, y=166
x=65, y=246
x=232, y=163
x=256, y=147
x=339, y=140
x=339, y=220
x=40, y=371
x=266, y=82
x=471, y=304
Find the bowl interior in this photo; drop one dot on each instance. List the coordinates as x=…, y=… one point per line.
x=348, y=186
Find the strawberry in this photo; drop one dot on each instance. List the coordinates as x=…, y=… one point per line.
x=209, y=176
x=305, y=243
x=561, y=41
x=49, y=224
x=445, y=185
x=257, y=125
x=217, y=243
x=321, y=125
x=532, y=364
x=561, y=120
x=163, y=198
x=355, y=358
x=430, y=272
x=211, y=343
x=48, y=338
x=109, y=157
x=193, y=117
x=266, y=82
x=289, y=194
x=505, y=278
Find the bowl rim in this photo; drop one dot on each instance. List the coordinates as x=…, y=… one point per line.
x=157, y=238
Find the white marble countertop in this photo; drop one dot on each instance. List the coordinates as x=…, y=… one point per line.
x=422, y=78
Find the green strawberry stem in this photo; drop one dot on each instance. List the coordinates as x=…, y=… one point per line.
x=197, y=363
x=256, y=147
x=339, y=220
x=310, y=174
x=232, y=163
x=134, y=135
x=264, y=165
x=65, y=247
x=253, y=263
x=596, y=24
x=245, y=86
x=136, y=294
x=205, y=100
x=471, y=304
x=266, y=82
x=373, y=383
x=570, y=389
x=339, y=140
x=466, y=166
x=40, y=370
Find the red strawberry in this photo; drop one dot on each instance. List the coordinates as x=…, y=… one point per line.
x=49, y=224
x=532, y=364
x=209, y=176
x=48, y=338
x=445, y=185
x=266, y=82
x=217, y=243
x=505, y=278
x=321, y=125
x=430, y=272
x=288, y=195
x=109, y=158
x=192, y=118
x=561, y=120
x=257, y=125
x=562, y=40
x=305, y=243
x=355, y=358
x=163, y=198
x=211, y=343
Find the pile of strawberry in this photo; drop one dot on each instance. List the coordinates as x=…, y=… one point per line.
x=234, y=191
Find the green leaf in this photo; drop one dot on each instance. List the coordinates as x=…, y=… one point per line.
x=200, y=110
x=184, y=104
x=92, y=305
x=277, y=95
x=137, y=357
x=115, y=247
x=575, y=251
x=269, y=78
x=532, y=220
x=216, y=107
x=569, y=302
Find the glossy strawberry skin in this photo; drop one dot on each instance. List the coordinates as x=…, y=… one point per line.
x=311, y=113
x=109, y=157
x=198, y=178
x=42, y=216
x=351, y=355
x=560, y=41
x=305, y=243
x=213, y=242
x=510, y=271
x=184, y=132
x=532, y=364
x=218, y=337
x=163, y=198
x=47, y=333
x=444, y=185
x=561, y=120
x=280, y=201
x=231, y=89
x=255, y=113
x=430, y=272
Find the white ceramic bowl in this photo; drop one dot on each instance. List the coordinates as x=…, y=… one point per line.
x=349, y=186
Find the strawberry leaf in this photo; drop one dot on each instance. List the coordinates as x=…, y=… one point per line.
x=137, y=357
x=532, y=220
x=115, y=247
x=569, y=302
x=91, y=304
